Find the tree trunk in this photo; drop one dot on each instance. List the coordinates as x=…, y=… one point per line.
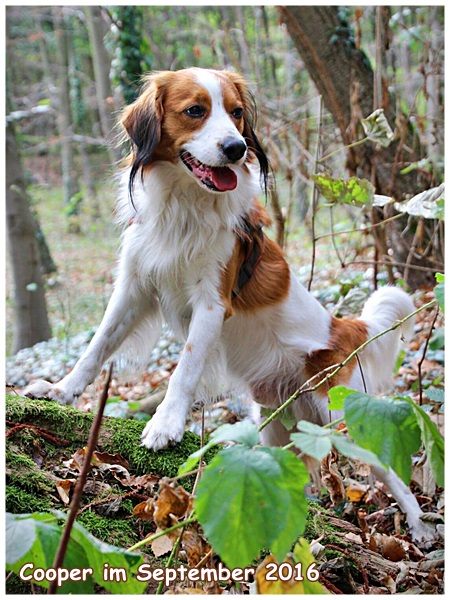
x=31, y=323
x=345, y=79
x=69, y=175
x=102, y=64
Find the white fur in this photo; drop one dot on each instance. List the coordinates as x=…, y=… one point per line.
x=173, y=253
x=205, y=145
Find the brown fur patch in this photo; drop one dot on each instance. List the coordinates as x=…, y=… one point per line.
x=270, y=280
x=345, y=336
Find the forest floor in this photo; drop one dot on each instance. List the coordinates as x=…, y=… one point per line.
x=77, y=296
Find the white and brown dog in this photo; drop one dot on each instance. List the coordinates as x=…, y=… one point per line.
x=194, y=253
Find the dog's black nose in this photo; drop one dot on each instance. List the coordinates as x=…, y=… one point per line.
x=233, y=149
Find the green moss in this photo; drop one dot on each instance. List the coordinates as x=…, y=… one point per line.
x=19, y=501
x=22, y=472
x=118, y=532
x=124, y=437
x=67, y=423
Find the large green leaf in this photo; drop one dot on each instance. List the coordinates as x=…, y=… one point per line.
x=432, y=440
x=243, y=432
x=354, y=191
x=312, y=439
x=318, y=441
x=249, y=499
x=100, y=553
x=385, y=426
x=34, y=539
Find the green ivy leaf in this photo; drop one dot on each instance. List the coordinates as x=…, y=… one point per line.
x=354, y=191
x=385, y=426
x=432, y=440
x=377, y=128
x=252, y=498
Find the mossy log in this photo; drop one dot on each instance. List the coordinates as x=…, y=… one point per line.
x=42, y=435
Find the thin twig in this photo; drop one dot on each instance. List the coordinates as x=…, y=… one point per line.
x=314, y=196
x=420, y=363
x=155, y=536
x=333, y=241
x=361, y=229
x=81, y=482
x=394, y=264
x=47, y=435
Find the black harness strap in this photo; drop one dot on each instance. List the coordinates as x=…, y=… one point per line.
x=252, y=238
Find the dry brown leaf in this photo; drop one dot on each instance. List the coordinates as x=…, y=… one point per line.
x=76, y=461
x=194, y=545
x=104, y=458
x=332, y=479
x=161, y=545
x=170, y=501
x=144, y=510
x=139, y=481
x=390, y=547
x=63, y=488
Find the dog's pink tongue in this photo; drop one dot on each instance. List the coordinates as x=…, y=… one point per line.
x=223, y=178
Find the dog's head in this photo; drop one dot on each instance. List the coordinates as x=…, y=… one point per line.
x=199, y=118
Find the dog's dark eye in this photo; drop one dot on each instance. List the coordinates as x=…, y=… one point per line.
x=196, y=111
x=238, y=112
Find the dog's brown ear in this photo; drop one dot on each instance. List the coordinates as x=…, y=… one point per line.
x=142, y=122
x=250, y=115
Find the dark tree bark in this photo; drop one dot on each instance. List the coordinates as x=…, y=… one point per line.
x=344, y=77
x=31, y=323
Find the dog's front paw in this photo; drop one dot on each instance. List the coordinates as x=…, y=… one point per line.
x=162, y=430
x=45, y=389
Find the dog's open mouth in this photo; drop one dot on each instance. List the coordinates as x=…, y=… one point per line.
x=218, y=179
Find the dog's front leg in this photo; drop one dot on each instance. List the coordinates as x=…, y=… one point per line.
x=168, y=423
x=127, y=308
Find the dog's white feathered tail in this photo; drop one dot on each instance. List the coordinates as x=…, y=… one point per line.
x=383, y=309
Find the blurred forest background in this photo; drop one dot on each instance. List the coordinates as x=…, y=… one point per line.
x=315, y=72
